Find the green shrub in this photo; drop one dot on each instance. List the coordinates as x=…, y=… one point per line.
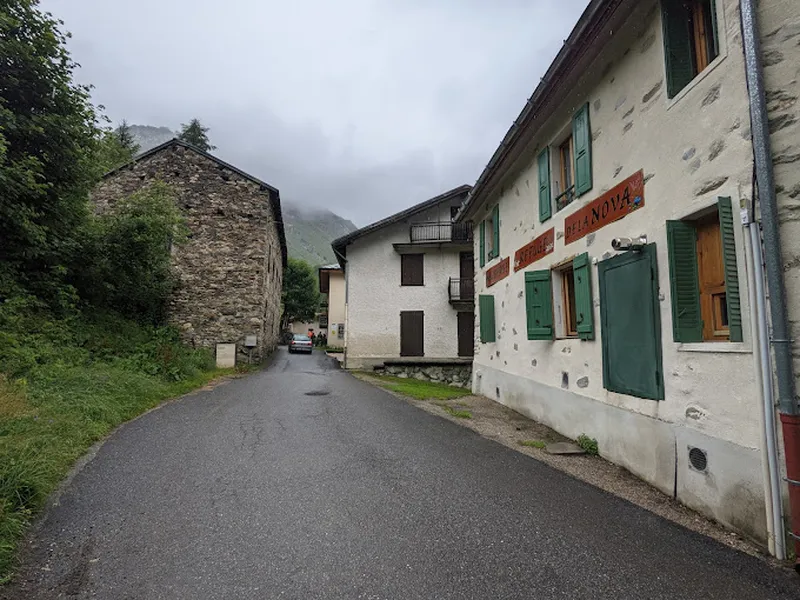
x=588, y=444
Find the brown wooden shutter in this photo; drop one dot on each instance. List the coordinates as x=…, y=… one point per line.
x=412, y=268
x=412, y=333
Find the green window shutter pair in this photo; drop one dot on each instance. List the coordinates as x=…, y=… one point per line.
x=486, y=315
x=687, y=319
x=584, y=308
x=677, y=45
x=483, y=244
x=539, y=301
x=582, y=140
x=545, y=204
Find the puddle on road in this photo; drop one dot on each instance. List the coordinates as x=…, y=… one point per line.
x=318, y=393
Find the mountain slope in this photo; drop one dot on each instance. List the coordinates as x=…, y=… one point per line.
x=310, y=231
x=149, y=137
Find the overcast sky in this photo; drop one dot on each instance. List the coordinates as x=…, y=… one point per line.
x=361, y=106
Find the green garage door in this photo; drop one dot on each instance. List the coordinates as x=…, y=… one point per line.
x=631, y=324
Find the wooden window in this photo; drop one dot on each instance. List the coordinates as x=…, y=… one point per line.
x=704, y=280
x=691, y=40
x=572, y=299
x=412, y=268
x=486, y=316
x=565, y=186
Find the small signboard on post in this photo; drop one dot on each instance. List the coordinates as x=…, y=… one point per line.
x=226, y=356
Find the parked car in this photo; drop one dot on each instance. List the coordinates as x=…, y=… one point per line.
x=300, y=343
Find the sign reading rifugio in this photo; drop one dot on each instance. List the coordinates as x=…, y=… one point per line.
x=498, y=272
x=612, y=206
x=538, y=248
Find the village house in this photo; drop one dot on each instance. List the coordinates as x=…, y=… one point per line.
x=230, y=270
x=333, y=316
x=616, y=269
x=409, y=292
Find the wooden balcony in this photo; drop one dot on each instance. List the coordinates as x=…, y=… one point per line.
x=461, y=293
x=441, y=232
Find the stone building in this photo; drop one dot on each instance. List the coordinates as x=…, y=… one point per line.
x=230, y=271
x=617, y=272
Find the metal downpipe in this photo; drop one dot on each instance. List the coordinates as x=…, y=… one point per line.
x=781, y=342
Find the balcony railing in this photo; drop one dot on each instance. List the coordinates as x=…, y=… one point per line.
x=441, y=232
x=562, y=200
x=461, y=290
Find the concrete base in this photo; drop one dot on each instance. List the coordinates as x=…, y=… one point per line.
x=729, y=490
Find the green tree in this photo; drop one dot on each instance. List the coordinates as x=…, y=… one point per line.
x=114, y=148
x=195, y=134
x=300, y=292
x=48, y=135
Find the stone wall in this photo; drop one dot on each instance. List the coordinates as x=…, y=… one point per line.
x=230, y=270
x=779, y=22
x=458, y=375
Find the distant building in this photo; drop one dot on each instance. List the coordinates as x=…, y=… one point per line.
x=230, y=271
x=332, y=319
x=409, y=291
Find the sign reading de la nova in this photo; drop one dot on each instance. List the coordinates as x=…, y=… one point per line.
x=538, y=248
x=619, y=201
x=498, y=272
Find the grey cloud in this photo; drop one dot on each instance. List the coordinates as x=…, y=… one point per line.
x=361, y=106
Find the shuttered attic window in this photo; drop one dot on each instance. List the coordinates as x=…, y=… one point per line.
x=691, y=40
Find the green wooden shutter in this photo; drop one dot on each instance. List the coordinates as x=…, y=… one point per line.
x=486, y=313
x=677, y=45
x=584, y=309
x=714, y=30
x=496, y=231
x=687, y=321
x=545, y=204
x=539, y=304
x=725, y=209
x=582, y=138
x=483, y=244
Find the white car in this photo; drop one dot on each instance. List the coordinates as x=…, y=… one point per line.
x=300, y=343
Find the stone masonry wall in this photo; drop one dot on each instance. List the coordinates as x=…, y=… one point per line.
x=779, y=22
x=458, y=375
x=230, y=271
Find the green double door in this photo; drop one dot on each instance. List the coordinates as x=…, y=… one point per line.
x=631, y=324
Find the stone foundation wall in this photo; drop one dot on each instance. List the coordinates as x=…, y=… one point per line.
x=458, y=375
x=230, y=271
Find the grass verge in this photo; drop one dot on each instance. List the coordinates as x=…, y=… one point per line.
x=421, y=390
x=533, y=444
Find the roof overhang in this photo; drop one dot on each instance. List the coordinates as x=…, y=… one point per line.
x=594, y=30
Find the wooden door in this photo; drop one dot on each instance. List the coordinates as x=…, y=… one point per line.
x=466, y=334
x=412, y=333
x=466, y=277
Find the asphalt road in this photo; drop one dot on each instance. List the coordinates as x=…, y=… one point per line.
x=301, y=482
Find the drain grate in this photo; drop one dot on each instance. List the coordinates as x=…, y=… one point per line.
x=698, y=459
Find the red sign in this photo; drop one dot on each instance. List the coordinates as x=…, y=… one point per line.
x=498, y=272
x=611, y=206
x=538, y=248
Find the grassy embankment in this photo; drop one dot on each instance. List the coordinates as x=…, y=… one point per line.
x=65, y=383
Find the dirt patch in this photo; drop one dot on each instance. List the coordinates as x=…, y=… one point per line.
x=501, y=424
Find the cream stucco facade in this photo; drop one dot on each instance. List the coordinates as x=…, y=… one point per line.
x=376, y=297
x=336, y=329
x=693, y=149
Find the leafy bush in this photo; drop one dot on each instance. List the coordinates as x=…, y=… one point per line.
x=588, y=444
